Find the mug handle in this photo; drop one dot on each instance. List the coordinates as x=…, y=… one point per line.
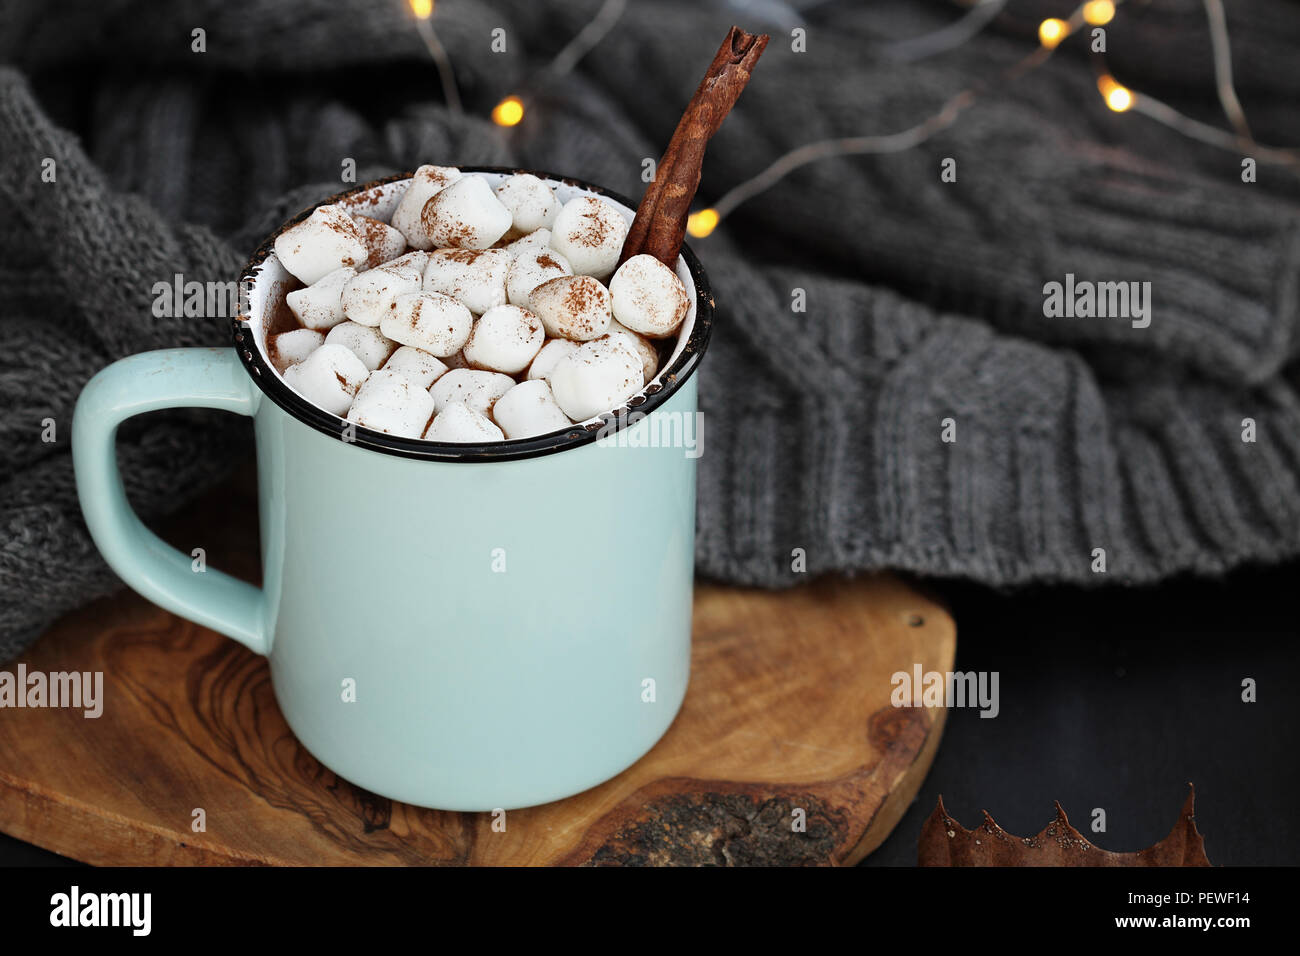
x=171, y=378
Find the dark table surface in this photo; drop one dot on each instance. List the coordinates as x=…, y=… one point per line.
x=1115, y=700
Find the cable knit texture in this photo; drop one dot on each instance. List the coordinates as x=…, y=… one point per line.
x=924, y=298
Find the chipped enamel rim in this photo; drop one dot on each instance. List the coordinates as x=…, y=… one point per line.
x=683, y=361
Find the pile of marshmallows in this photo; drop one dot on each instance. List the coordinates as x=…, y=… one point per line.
x=499, y=325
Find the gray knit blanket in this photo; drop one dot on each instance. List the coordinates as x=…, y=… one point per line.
x=925, y=313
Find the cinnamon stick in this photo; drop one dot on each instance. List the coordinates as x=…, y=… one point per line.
x=660, y=224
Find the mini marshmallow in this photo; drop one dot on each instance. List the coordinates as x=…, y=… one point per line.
x=290, y=348
x=505, y=339
x=531, y=269
x=477, y=277
x=430, y=321
x=383, y=242
x=390, y=402
x=598, y=377
x=531, y=202
x=456, y=423
x=465, y=215
x=549, y=357
x=533, y=242
x=416, y=259
x=427, y=182
x=648, y=353
x=528, y=410
x=419, y=366
x=365, y=343
x=368, y=296
x=326, y=240
x=329, y=377
x=648, y=297
x=590, y=233
x=572, y=307
x=320, y=305
x=479, y=390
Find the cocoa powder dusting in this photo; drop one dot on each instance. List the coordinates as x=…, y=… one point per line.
x=595, y=230
x=444, y=232
x=344, y=225
x=373, y=234
x=465, y=257
x=584, y=295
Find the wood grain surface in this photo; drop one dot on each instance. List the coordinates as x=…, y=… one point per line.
x=788, y=709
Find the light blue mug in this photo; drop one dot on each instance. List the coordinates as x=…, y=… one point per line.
x=454, y=626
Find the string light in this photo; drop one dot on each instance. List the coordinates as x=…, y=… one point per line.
x=1223, y=69
x=1052, y=31
x=509, y=112
x=1117, y=97
x=946, y=38
x=700, y=224
x=423, y=11
x=1238, y=141
x=1098, y=13
x=610, y=12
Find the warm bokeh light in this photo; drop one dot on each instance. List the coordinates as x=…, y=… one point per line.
x=422, y=8
x=1051, y=32
x=508, y=112
x=1117, y=96
x=1099, y=12
x=700, y=224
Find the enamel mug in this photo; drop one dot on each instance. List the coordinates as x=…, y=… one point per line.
x=464, y=627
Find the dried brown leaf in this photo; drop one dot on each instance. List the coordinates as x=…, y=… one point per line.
x=945, y=842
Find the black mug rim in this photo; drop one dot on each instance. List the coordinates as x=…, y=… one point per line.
x=655, y=395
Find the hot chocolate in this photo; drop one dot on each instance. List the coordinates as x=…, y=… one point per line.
x=501, y=309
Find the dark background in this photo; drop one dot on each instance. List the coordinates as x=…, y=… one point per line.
x=1118, y=699
x=1113, y=699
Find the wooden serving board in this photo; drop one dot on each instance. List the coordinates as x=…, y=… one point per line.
x=788, y=708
